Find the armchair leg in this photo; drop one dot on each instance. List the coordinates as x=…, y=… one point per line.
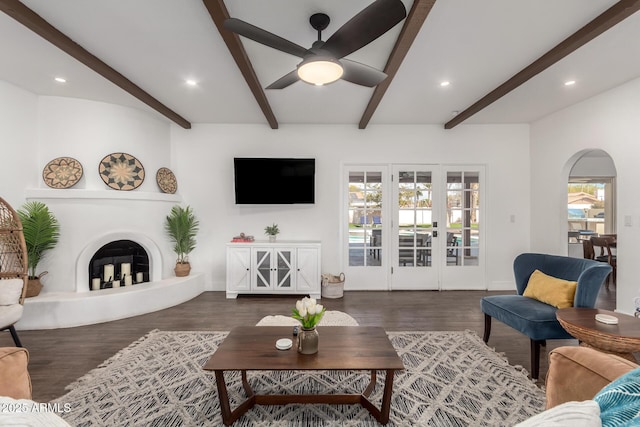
x=14, y=335
x=487, y=328
x=535, y=358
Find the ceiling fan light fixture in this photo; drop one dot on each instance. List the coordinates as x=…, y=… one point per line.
x=320, y=70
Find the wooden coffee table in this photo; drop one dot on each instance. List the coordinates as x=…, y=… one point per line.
x=622, y=339
x=253, y=348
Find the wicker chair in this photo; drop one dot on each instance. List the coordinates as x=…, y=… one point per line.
x=13, y=269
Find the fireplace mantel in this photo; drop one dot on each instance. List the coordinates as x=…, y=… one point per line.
x=74, y=194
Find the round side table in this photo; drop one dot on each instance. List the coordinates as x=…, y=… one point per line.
x=622, y=339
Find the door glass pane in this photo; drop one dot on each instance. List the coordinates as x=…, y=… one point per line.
x=463, y=222
x=414, y=218
x=365, y=218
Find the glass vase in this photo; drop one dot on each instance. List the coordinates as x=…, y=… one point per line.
x=308, y=341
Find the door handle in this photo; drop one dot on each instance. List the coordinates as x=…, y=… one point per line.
x=435, y=224
x=435, y=233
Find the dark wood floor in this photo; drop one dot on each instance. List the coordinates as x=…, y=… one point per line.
x=60, y=356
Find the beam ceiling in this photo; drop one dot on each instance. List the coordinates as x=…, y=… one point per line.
x=417, y=15
x=612, y=16
x=38, y=25
x=219, y=13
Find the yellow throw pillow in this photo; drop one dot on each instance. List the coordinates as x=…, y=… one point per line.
x=550, y=290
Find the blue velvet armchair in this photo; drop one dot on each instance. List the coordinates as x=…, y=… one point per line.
x=536, y=319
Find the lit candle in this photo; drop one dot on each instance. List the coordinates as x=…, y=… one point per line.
x=125, y=269
x=108, y=272
x=116, y=283
x=95, y=284
x=139, y=277
x=128, y=280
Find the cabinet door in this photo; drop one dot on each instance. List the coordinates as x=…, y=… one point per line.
x=239, y=268
x=262, y=278
x=283, y=269
x=307, y=274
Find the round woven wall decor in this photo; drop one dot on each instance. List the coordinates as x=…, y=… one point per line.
x=62, y=172
x=166, y=181
x=121, y=171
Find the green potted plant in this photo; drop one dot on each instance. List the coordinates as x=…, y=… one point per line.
x=41, y=232
x=272, y=231
x=181, y=226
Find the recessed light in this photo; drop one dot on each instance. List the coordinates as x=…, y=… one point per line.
x=445, y=83
x=60, y=79
x=191, y=82
x=569, y=82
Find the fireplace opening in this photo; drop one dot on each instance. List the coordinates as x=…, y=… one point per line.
x=118, y=263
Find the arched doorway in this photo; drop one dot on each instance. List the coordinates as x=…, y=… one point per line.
x=591, y=199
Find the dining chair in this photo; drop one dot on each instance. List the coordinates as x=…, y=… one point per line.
x=605, y=243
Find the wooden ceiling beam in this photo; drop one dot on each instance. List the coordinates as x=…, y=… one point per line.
x=219, y=13
x=416, y=17
x=612, y=16
x=40, y=26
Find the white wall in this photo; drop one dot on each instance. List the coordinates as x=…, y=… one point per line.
x=608, y=122
x=203, y=158
x=18, y=128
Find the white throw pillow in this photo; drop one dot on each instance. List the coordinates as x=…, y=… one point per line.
x=570, y=414
x=10, y=291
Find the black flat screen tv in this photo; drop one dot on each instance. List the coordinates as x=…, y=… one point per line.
x=274, y=181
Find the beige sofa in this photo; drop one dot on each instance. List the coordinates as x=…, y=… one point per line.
x=579, y=373
x=14, y=376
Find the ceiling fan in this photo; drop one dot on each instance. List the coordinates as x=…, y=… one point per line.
x=324, y=62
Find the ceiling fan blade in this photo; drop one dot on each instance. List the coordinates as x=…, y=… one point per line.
x=264, y=37
x=372, y=22
x=285, y=81
x=361, y=74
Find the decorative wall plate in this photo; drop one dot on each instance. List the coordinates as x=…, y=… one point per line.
x=62, y=172
x=121, y=171
x=166, y=180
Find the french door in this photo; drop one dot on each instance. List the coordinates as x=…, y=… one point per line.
x=413, y=227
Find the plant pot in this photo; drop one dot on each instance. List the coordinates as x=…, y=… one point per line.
x=182, y=269
x=34, y=286
x=272, y=238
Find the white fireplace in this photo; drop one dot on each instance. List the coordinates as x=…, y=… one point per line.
x=90, y=220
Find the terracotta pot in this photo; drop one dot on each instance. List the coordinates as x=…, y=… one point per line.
x=34, y=286
x=182, y=269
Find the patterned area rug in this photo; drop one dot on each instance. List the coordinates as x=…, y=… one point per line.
x=451, y=379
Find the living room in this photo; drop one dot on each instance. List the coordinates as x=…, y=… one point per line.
x=526, y=168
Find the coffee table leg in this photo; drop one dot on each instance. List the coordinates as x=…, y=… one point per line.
x=382, y=414
x=229, y=416
x=224, y=398
x=385, y=409
x=372, y=384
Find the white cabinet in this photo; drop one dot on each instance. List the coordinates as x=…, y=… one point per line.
x=288, y=267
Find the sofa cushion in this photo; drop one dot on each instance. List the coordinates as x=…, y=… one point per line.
x=620, y=401
x=550, y=290
x=583, y=414
x=14, y=377
x=11, y=291
x=579, y=373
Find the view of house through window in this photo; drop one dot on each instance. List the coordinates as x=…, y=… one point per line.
x=587, y=208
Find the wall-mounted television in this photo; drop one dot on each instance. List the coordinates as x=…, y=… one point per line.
x=274, y=181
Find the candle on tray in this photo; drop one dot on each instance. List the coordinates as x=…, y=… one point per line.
x=128, y=280
x=108, y=272
x=125, y=269
x=116, y=283
x=139, y=277
x=95, y=284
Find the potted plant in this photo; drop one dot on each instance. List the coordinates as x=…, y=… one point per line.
x=272, y=231
x=41, y=232
x=181, y=226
